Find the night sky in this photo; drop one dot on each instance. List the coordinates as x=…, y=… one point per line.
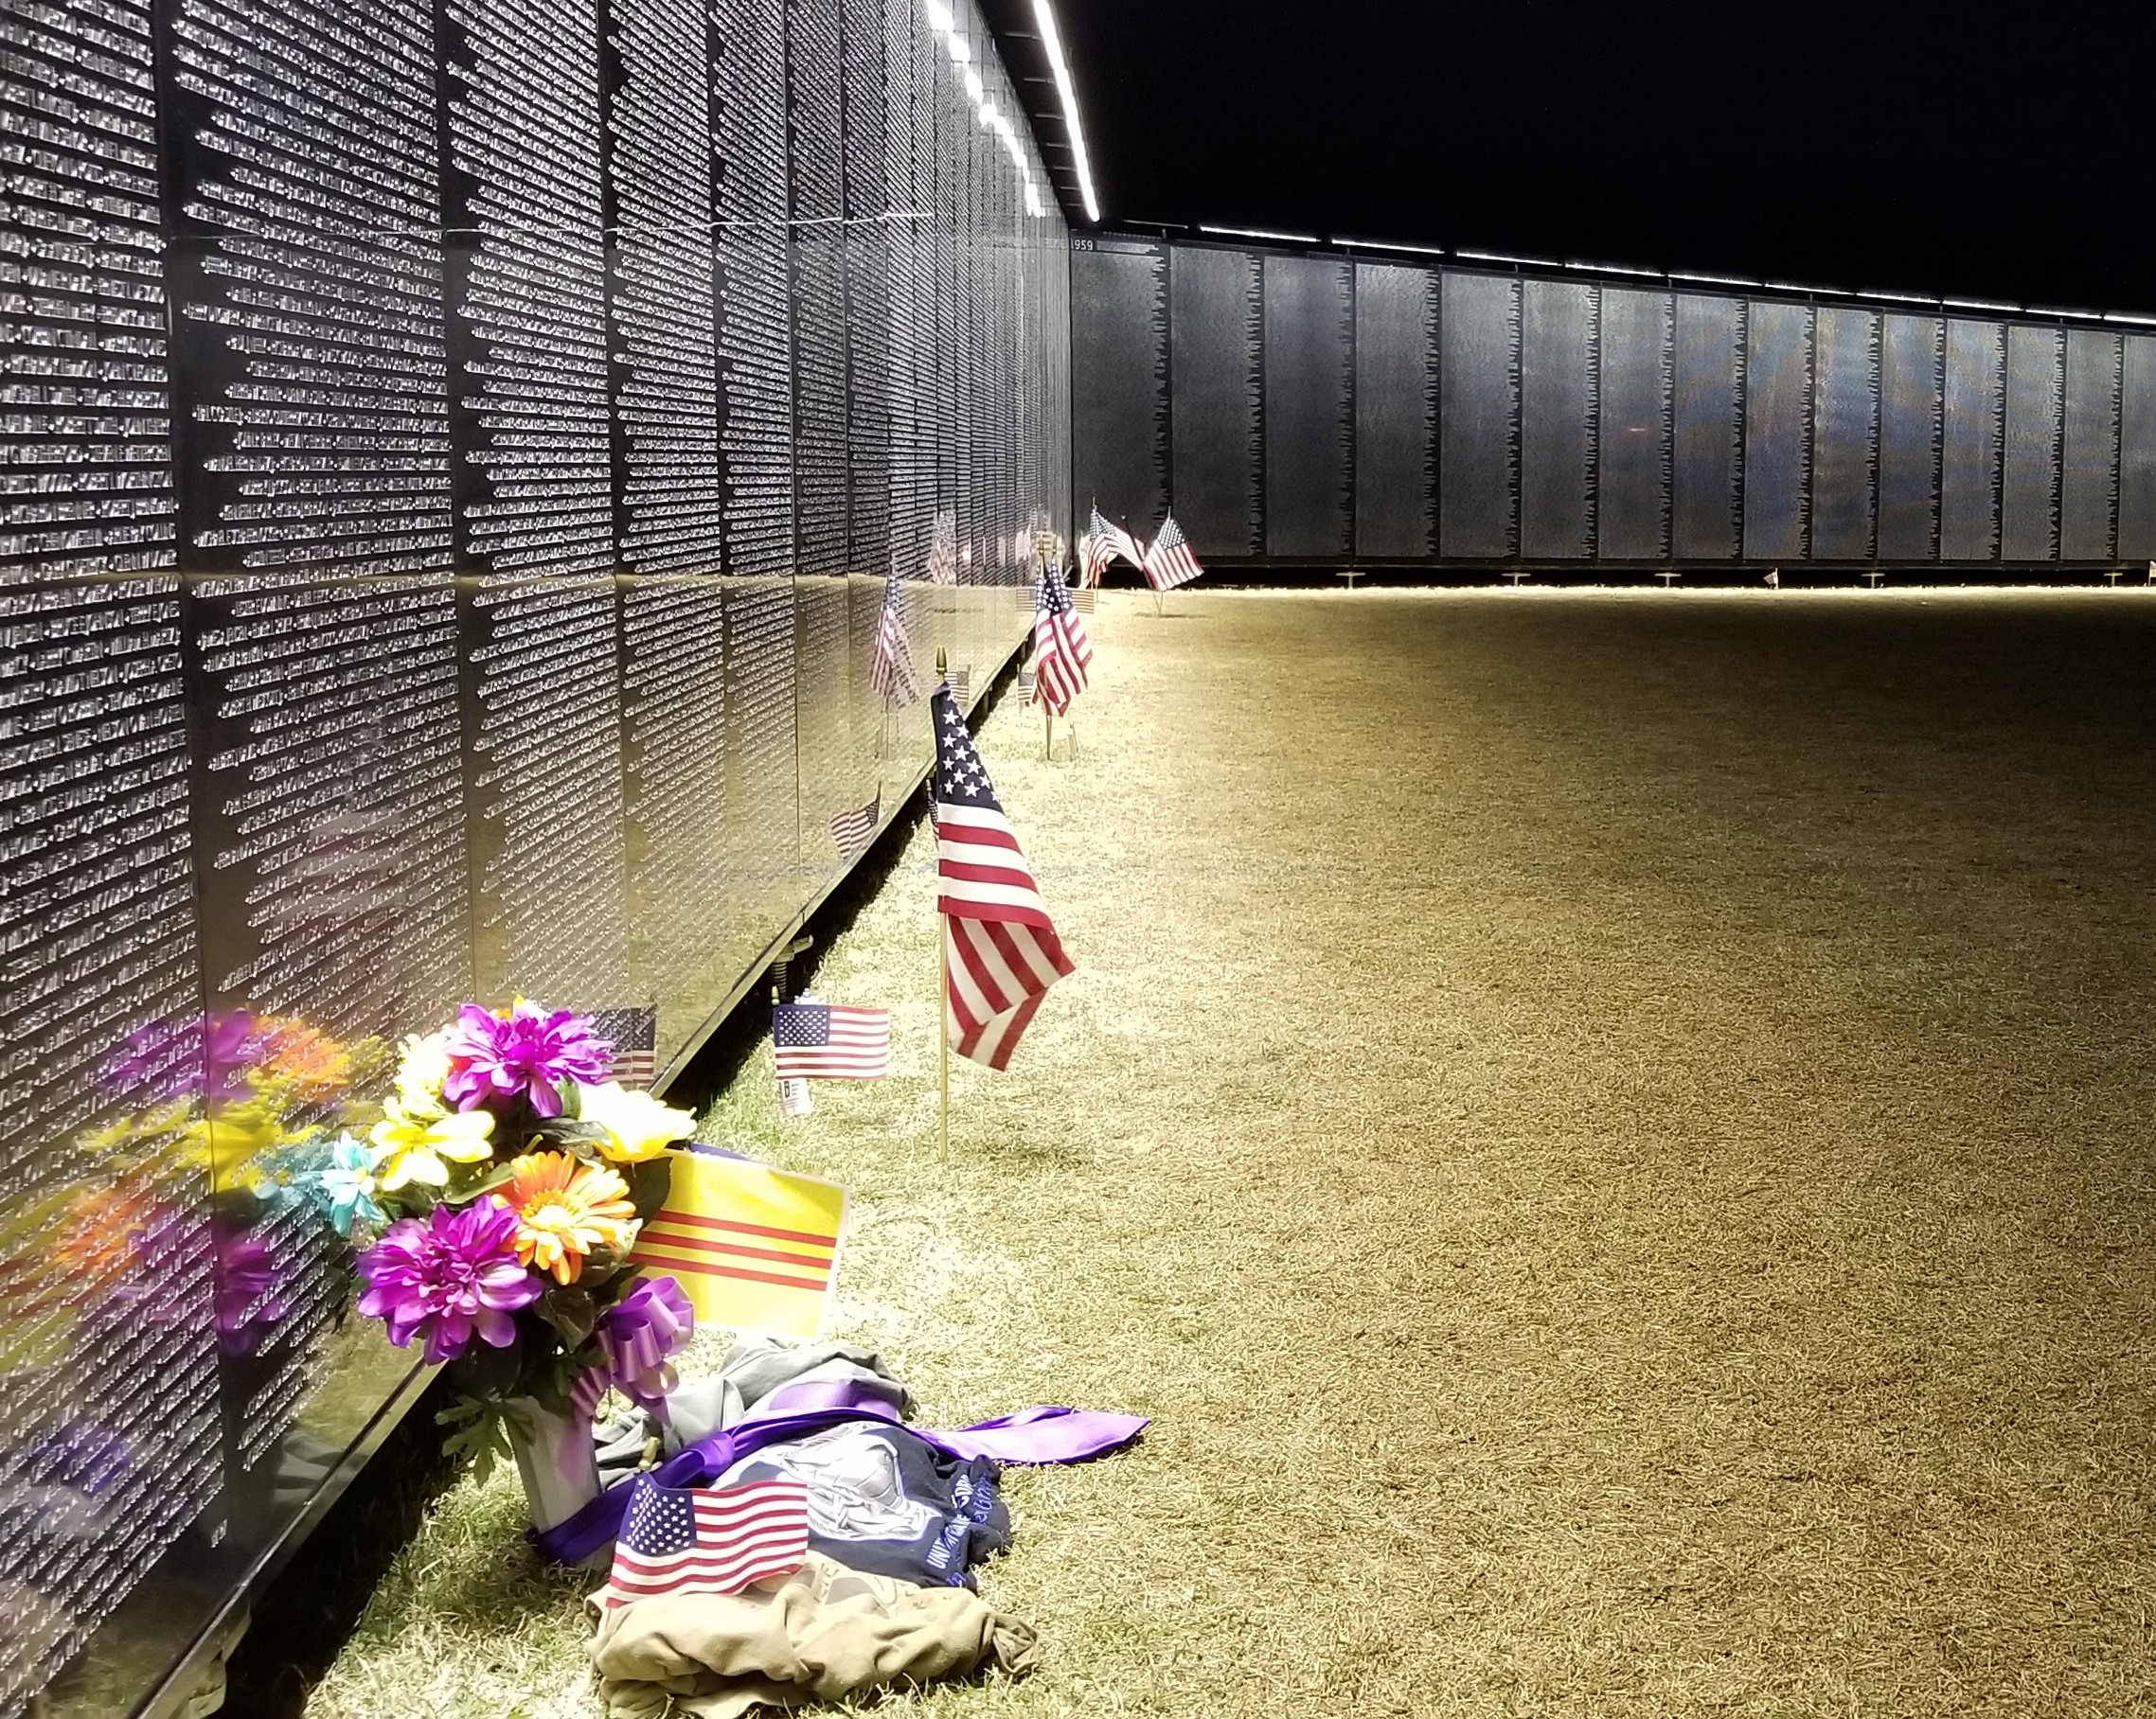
x=1940, y=150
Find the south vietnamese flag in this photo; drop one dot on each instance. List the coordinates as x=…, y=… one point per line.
x=753, y=1248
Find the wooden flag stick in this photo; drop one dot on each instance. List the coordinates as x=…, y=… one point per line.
x=1048, y=745
x=942, y=996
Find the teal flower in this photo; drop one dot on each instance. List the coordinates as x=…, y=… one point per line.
x=345, y=1187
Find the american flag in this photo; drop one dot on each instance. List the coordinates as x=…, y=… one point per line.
x=853, y=831
x=1085, y=599
x=1025, y=686
x=635, y=1037
x=1061, y=652
x=706, y=1540
x=1169, y=562
x=960, y=680
x=891, y=669
x=826, y=1041
x=999, y=946
x=1103, y=543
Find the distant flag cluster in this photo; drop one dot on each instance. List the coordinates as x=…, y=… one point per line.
x=1001, y=951
x=706, y=1540
x=1062, y=650
x=1104, y=543
x=1167, y=562
x=814, y=1040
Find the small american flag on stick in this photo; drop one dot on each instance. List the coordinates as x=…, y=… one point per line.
x=707, y=1540
x=960, y=680
x=1000, y=948
x=1169, y=562
x=1062, y=651
x=853, y=830
x=890, y=669
x=826, y=1041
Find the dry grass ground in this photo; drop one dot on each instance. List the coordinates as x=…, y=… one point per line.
x=1609, y=1130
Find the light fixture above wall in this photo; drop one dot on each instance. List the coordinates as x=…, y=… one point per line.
x=1059, y=69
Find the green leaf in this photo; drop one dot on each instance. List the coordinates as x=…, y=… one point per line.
x=572, y=1312
x=478, y=1434
x=649, y=1182
x=568, y=1131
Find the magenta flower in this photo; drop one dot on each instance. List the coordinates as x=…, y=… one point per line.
x=450, y=1275
x=530, y=1054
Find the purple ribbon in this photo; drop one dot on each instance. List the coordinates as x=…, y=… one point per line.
x=636, y=1335
x=793, y=1411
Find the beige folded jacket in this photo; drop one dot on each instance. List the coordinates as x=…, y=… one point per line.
x=823, y=1633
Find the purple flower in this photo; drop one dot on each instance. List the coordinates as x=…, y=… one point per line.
x=636, y=1335
x=449, y=1275
x=530, y=1054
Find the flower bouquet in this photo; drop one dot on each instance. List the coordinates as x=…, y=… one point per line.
x=511, y=1176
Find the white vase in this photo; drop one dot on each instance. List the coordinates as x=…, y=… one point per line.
x=557, y=1460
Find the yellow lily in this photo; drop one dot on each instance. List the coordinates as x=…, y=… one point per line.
x=638, y=1126
x=422, y=1148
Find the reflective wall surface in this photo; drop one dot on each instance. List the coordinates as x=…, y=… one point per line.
x=450, y=459
x=1319, y=408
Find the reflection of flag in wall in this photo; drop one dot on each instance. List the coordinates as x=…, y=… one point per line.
x=1062, y=651
x=753, y=1248
x=829, y=1041
x=706, y=1539
x=999, y=945
x=1169, y=562
x=853, y=830
x=1103, y=543
x=891, y=669
x=943, y=548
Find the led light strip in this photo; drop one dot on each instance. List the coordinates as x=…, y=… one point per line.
x=1052, y=41
x=1292, y=238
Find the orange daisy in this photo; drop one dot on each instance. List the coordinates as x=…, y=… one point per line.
x=564, y=1209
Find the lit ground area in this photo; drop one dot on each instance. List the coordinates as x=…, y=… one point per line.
x=1611, y=1131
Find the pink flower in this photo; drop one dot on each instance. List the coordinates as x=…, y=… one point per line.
x=450, y=1276
x=528, y=1053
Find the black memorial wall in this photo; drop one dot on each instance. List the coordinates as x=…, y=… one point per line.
x=1316, y=408
x=452, y=450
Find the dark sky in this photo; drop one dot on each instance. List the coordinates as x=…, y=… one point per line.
x=1943, y=150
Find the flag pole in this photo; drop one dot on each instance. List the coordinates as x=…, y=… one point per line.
x=944, y=1002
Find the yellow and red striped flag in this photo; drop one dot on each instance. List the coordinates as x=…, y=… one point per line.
x=753, y=1248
